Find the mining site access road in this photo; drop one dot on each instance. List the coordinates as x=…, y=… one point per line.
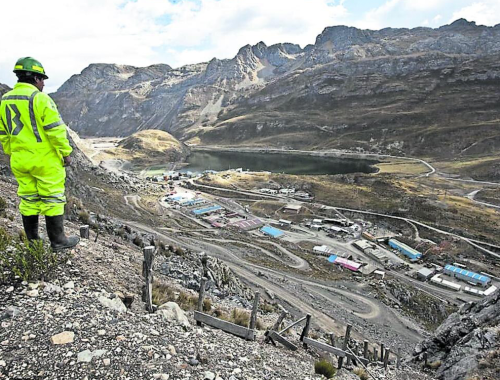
x=402, y=334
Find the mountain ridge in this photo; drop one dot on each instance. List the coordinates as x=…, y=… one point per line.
x=360, y=90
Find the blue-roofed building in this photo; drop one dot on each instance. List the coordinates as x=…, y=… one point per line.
x=207, y=210
x=193, y=202
x=409, y=252
x=332, y=258
x=175, y=198
x=466, y=275
x=271, y=231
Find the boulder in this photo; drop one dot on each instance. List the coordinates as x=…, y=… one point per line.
x=171, y=312
x=113, y=304
x=63, y=338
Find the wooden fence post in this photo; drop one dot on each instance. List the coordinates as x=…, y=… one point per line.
x=204, y=263
x=201, y=298
x=255, y=308
x=305, y=331
x=147, y=272
x=277, y=324
x=382, y=352
x=347, y=337
x=365, y=349
x=375, y=355
x=344, y=345
x=332, y=339
x=398, y=358
x=84, y=231
x=386, y=358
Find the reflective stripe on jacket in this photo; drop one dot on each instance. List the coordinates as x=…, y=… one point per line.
x=29, y=120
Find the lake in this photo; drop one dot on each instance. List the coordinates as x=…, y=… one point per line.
x=276, y=163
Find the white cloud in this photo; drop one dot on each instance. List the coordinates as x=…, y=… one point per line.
x=424, y=5
x=66, y=36
x=482, y=12
x=71, y=35
x=376, y=18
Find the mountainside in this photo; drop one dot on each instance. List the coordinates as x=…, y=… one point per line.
x=467, y=344
x=3, y=88
x=415, y=91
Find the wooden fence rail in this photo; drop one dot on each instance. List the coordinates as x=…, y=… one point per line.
x=242, y=332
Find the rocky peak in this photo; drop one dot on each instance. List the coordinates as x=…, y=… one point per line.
x=460, y=25
x=405, y=64
x=343, y=37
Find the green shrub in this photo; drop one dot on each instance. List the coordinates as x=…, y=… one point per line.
x=325, y=368
x=29, y=261
x=4, y=240
x=84, y=217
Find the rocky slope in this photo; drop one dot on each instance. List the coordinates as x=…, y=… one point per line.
x=419, y=91
x=467, y=344
x=75, y=324
x=3, y=88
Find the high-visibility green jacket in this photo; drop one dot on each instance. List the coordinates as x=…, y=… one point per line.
x=29, y=121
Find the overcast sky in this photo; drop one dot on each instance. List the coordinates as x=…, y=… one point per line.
x=67, y=36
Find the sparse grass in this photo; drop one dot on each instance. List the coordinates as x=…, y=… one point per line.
x=187, y=301
x=361, y=372
x=207, y=304
x=163, y=293
x=434, y=365
x=3, y=206
x=266, y=307
x=314, y=335
x=26, y=261
x=240, y=317
x=325, y=368
x=402, y=167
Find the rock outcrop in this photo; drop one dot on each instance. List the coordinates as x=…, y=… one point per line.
x=400, y=91
x=3, y=88
x=467, y=343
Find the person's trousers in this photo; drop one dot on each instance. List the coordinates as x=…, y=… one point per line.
x=41, y=176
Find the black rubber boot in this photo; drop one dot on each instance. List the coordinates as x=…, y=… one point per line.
x=30, y=224
x=55, y=230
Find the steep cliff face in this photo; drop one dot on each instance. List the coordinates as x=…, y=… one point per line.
x=467, y=344
x=402, y=91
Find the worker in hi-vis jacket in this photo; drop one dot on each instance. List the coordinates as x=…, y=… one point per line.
x=33, y=134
